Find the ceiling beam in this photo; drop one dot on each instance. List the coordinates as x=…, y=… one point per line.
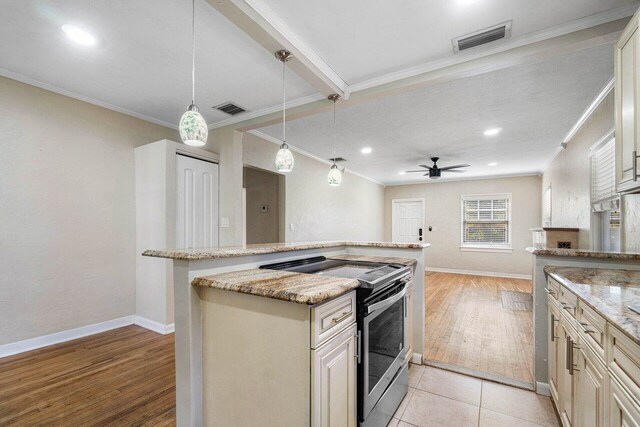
x=263, y=25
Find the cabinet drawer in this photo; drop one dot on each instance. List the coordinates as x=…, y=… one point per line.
x=623, y=357
x=568, y=301
x=553, y=288
x=592, y=327
x=329, y=318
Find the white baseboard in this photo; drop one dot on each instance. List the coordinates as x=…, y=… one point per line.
x=416, y=359
x=480, y=273
x=154, y=326
x=543, y=389
x=58, y=337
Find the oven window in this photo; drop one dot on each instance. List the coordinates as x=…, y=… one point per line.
x=386, y=340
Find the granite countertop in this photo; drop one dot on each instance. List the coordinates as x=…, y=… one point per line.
x=237, y=251
x=632, y=256
x=607, y=291
x=300, y=288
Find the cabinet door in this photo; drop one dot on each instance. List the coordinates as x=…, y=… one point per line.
x=334, y=381
x=409, y=329
x=590, y=396
x=622, y=411
x=554, y=358
x=626, y=91
x=566, y=384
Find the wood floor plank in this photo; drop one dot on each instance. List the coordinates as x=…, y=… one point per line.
x=467, y=325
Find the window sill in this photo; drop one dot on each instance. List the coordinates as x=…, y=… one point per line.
x=498, y=249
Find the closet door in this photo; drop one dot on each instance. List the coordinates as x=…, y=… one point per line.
x=196, y=203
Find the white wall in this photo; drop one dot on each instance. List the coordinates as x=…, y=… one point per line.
x=442, y=210
x=352, y=211
x=68, y=211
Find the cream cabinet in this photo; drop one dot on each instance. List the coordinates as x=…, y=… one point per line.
x=594, y=369
x=334, y=381
x=409, y=314
x=627, y=96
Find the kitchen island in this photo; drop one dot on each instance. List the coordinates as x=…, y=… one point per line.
x=246, y=346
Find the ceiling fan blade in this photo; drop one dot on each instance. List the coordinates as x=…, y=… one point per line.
x=453, y=170
x=414, y=171
x=425, y=166
x=454, y=167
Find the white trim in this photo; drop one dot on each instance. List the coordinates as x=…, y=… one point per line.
x=602, y=141
x=560, y=30
x=479, y=273
x=59, y=337
x=268, y=110
x=543, y=389
x=154, y=326
x=486, y=248
x=415, y=199
x=472, y=178
x=608, y=87
x=416, y=358
x=51, y=88
x=277, y=141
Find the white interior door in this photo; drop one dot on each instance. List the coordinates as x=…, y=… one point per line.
x=197, y=203
x=407, y=221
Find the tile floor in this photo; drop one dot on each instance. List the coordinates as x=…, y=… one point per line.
x=439, y=398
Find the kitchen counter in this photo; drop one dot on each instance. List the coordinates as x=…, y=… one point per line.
x=583, y=253
x=238, y=251
x=301, y=288
x=385, y=260
x=607, y=291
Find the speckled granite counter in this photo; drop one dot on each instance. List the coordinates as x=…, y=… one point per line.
x=607, y=291
x=283, y=285
x=237, y=251
x=386, y=260
x=585, y=253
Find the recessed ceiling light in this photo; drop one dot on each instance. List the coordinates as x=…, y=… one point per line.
x=78, y=35
x=493, y=164
x=365, y=150
x=401, y=173
x=492, y=131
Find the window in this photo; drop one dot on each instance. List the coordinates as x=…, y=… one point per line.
x=603, y=175
x=486, y=222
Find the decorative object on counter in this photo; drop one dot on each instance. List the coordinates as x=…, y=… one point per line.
x=193, y=127
x=335, y=175
x=435, y=172
x=284, y=158
x=555, y=238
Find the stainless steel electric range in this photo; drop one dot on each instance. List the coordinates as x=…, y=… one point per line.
x=383, y=376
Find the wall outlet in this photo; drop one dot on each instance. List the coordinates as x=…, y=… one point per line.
x=224, y=222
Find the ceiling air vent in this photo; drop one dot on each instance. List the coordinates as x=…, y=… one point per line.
x=337, y=159
x=479, y=38
x=230, y=108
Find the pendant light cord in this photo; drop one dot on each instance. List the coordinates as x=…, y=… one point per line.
x=193, y=52
x=334, y=131
x=284, y=104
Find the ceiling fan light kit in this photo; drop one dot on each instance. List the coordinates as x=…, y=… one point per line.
x=435, y=172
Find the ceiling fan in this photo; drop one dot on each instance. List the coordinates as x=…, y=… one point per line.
x=435, y=171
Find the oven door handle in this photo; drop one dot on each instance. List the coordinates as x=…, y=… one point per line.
x=387, y=302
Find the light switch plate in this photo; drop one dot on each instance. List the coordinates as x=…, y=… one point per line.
x=224, y=222
x=291, y=226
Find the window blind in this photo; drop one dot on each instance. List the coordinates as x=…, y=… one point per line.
x=603, y=178
x=486, y=221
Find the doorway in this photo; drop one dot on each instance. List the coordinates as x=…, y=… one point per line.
x=407, y=217
x=264, y=207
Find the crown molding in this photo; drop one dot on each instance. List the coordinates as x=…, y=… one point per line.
x=471, y=178
x=537, y=36
x=608, y=87
x=51, y=88
x=277, y=141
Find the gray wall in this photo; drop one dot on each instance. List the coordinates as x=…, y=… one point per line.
x=352, y=211
x=442, y=210
x=68, y=211
x=262, y=189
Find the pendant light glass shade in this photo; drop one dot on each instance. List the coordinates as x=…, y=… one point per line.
x=284, y=159
x=193, y=128
x=335, y=176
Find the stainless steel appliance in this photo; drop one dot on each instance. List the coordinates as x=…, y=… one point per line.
x=382, y=320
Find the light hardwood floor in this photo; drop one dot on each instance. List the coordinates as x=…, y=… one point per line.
x=467, y=327
x=123, y=377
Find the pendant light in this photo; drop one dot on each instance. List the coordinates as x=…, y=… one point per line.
x=335, y=176
x=284, y=158
x=193, y=128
